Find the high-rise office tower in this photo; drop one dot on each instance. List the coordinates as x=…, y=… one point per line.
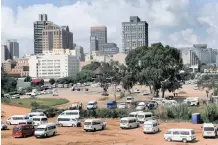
x=13, y=48
x=56, y=37
x=5, y=53
x=98, y=38
x=38, y=27
x=134, y=33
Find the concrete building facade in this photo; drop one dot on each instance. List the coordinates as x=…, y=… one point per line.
x=38, y=27
x=79, y=52
x=53, y=66
x=98, y=38
x=134, y=34
x=56, y=37
x=109, y=49
x=13, y=47
x=5, y=54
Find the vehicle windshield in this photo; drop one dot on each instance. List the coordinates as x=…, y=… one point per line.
x=148, y=125
x=91, y=104
x=209, y=129
x=141, y=116
x=124, y=121
x=36, y=119
x=16, y=129
x=141, y=104
x=72, y=113
x=40, y=129
x=129, y=98
x=88, y=123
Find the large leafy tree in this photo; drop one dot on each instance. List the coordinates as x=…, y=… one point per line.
x=8, y=84
x=157, y=66
x=27, y=79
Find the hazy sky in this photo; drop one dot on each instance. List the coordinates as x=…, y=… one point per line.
x=173, y=22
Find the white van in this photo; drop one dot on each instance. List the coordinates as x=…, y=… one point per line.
x=68, y=121
x=37, y=120
x=19, y=119
x=72, y=113
x=94, y=124
x=144, y=116
x=92, y=105
x=129, y=122
x=32, y=114
x=151, y=126
x=141, y=106
x=183, y=135
x=192, y=101
x=129, y=99
x=45, y=130
x=209, y=130
x=169, y=102
x=134, y=114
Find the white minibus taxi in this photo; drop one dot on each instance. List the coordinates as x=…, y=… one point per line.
x=19, y=119
x=158, y=100
x=183, y=135
x=94, y=124
x=128, y=122
x=45, y=130
x=209, y=130
x=32, y=114
x=144, y=116
x=68, y=121
x=151, y=126
x=134, y=114
x=72, y=113
x=37, y=120
x=92, y=105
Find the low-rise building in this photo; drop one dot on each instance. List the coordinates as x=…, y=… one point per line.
x=53, y=66
x=109, y=49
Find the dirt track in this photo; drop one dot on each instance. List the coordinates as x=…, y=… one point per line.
x=112, y=135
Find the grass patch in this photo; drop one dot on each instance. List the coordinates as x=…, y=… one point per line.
x=27, y=102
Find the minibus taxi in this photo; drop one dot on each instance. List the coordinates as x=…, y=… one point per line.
x=151, y=126
x=18, y=119
x=72, y=113
x=184, y=135
x=45, y=130
x=128, y=122
x=68, y=121
x=209, y=130
x=37, y=120
x=31, y=114
x=23, y=130
x=134, y=114
x=94, y=124
x=144, y=116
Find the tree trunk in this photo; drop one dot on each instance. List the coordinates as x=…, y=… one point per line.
x=163, y=91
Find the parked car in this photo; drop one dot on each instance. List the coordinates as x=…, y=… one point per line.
x=152, y=105
x=145, y=93
x=192, y=101
x=94, y=124
x=72, y=113
x=183, y=135
x=141, y=106
x=134, y=114
x=144, y=116
x=15, y=96
x=209, y=130
x=92, y=105
x=66, y=85
x=122, y=105
x=3, y=126
x=151, y=126
x=23, y=130
x=45, y=130
x=129, y=99
x=32, y=114
x=112, y=105
x=128, y=122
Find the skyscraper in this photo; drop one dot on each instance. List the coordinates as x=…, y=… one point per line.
x=134, y=33
x=13, y=48
x=98, y=38
x=5, y=53
x=56, y=37
x=38, y=27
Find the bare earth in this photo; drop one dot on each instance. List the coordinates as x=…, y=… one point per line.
x=112, y=135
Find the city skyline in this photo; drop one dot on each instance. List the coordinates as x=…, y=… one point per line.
x=169, y=21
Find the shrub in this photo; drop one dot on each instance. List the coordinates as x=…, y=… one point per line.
x=29, y=89
x=6, y=100
x=34, y=104
x=161, y=112
x=180, y=111
x=210, y=113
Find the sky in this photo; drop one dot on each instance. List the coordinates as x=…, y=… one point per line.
x=178, y=23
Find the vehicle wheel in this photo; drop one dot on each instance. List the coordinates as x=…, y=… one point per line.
x=184, y=140
x=61, y=125
x=102, y=128
x=94, y=129
x=24, y=136
x=130, y=127
x=54, y=133
x=73, y=125
x=169, y=139
x=45, y=135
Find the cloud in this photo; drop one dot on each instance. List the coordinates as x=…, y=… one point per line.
x=162, y=16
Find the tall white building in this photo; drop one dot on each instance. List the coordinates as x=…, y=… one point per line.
x=53, y=66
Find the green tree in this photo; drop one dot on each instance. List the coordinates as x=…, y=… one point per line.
x=42, y=82
x=156, y=66
x=52, y=81
x=28, y=79
x=8, y=84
